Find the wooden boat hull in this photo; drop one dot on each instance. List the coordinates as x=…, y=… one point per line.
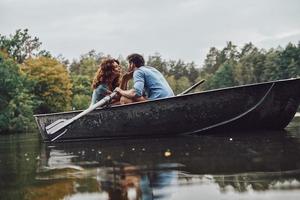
x=270, y=105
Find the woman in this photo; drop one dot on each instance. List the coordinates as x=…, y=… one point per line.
x=107, y=78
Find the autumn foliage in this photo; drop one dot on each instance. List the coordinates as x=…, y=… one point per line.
x=52, y=83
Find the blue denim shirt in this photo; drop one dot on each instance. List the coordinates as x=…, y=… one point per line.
x=151, y=81
x=99, y=93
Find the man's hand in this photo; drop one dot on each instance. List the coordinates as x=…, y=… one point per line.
x=118, y=90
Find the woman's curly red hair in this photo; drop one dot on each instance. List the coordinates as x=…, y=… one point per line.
x=106, y=74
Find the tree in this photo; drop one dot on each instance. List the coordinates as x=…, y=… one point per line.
x=178, y=85
x=247, y=49
x=87, y=65
x=157, y=62
x=177, y=69
x=9, y=80
x=272, y=65
x=224, y=77
x=81, y=101
x=251, y=66
x=21, y=111
x=82, y=91
x=52, y=87
x=215, y=58
x=16, y=103
x=211, y=63
x=21, y=45
x=230, y=52
x=123, y=63
x=289, y=61
x=193, y=72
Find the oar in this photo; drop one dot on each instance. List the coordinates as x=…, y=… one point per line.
x=62, y=123
x=191, y=88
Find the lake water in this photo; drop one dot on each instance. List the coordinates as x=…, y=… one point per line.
x=257, y=165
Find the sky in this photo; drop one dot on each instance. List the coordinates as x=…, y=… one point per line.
x=176, y=29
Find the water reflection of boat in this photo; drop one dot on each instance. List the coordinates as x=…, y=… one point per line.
x=262, y=161
x=198, y=154
x=269, y=105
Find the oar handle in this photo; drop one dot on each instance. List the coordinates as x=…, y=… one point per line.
x=94, y=106
x=191, y=88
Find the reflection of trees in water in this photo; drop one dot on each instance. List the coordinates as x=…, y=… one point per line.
x=122, y=182
x=245, y=182
x=136, y=168
x=18, y=158
x=132, y=182
x=56, y=189
x=133, y=169
x=260, y=181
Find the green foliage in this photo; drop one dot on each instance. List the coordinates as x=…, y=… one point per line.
x=250, y=68
x=230, y=67
x=87, y=65
x=81, y=85
x=212, y=61
x=9, y=80
x=193, y=72
x=289, y=64
x=81, y=101
x=178, y=85
x=21, y=45
x=224, y=77
x=157, y=62
x=272, y=69
x=17, y=104
x=82, y=91
x=177, y=69
x=229, y=52
x=22, y=117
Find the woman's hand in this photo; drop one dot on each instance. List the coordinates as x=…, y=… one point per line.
x=128, y=75
x=124, y=80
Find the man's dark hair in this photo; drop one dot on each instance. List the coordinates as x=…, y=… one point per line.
x=136, y=59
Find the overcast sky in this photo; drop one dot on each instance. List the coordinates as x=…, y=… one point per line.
x=177, y=29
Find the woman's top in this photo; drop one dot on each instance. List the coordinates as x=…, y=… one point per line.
x=99, y=93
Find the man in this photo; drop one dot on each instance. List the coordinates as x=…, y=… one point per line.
x=146, y=79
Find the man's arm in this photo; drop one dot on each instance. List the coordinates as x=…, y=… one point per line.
x=130, y=94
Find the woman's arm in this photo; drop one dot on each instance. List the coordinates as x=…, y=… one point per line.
x=124, y=80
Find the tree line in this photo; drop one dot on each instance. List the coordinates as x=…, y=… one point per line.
x=32, y=81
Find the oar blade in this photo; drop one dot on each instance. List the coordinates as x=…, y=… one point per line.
x=56, y=126
x=59, y=125
x=55, y=123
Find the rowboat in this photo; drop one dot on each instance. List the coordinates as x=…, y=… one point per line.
x=269, y=105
